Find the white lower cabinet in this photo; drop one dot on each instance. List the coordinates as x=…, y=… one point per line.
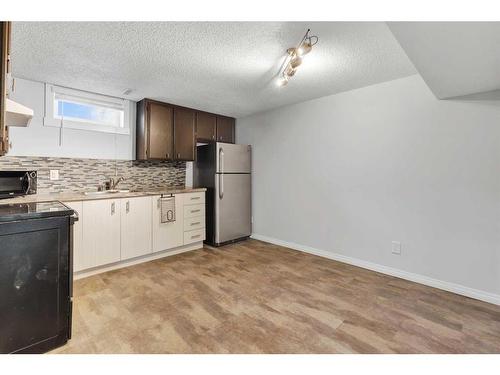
x=194, y=218
x=101, y=233
x=135, y=227
x=168, y=235
x=114, y=230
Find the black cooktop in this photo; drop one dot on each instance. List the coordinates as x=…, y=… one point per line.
x=24, y=211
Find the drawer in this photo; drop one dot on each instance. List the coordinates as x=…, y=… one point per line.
x=194, y=210
x=194, y=236
x=194, y=198
x=192, y=223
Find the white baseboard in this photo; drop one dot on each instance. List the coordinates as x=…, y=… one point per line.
x=133, y=261
x=444, y=285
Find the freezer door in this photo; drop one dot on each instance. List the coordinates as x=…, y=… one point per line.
x=232, y=158
x=233, y=207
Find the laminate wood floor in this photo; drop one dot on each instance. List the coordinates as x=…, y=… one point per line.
x=254, y=297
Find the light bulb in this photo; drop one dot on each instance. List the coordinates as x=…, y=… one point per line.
x=304, y=48
x=295, y=62
x=290, y=71
x=282, y=81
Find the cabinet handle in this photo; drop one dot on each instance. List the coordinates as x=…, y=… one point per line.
x=198, y=235
x=113, y=208
x=194, y=198
x=178, y=156
x=168, y=155
x=127, y=207
x=158, y=203
x=193, y=224
x=193, y=211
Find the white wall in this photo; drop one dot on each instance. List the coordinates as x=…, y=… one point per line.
x=349, y=173
x=39, y=140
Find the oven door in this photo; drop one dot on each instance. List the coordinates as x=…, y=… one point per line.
x=14, y=183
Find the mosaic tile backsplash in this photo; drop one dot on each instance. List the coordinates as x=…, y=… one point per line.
x=87, y=174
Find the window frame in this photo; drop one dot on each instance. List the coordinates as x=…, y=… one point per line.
x=51, y=120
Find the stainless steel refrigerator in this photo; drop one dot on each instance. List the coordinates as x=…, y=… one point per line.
x=225, y=170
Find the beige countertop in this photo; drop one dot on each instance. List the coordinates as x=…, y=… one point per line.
x=81, y=196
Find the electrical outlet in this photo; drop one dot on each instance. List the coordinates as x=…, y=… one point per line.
x=54, y=174
x=396, y=247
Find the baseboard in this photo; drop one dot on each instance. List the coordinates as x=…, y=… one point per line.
x=439, y=284
x=142, y=259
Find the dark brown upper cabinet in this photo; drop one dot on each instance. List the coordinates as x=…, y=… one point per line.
x=169, y=132
x=225, y=129
x=5, y=28
x=155, y=131
x=206, y=125
x=184, y=133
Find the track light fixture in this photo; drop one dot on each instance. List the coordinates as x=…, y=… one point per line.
x=294, y=58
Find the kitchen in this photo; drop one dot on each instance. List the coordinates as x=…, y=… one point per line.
x=296, y=187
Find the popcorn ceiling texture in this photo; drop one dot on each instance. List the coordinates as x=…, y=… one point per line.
x=221, y=67
x=86, y=174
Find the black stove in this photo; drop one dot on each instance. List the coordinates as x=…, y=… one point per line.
x=35, y=276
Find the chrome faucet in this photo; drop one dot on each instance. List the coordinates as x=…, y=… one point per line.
x=112, y=184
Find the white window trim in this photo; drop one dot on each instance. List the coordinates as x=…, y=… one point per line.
x=50, y=120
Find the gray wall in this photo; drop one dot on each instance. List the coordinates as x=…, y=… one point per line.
x=349, y=173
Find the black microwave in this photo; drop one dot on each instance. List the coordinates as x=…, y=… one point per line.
x=17, y=183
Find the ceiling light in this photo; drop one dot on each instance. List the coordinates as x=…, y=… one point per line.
x=290, y=71
x=304, y=49
x=295, y=62
x=294, y=58
x=282, y=81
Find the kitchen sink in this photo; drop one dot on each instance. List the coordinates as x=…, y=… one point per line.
x=106, y=192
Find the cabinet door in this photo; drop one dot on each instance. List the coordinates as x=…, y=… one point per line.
x=78, y=254
x=167, y=235
x=4, y=69
x=135, y=227
x=101, y=233
x=225, y=129
x=205, y=126
x=160, y=131
x=184, y=134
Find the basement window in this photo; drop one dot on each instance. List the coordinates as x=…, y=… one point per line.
x=75, y=109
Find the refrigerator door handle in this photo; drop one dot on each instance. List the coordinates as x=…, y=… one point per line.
x=221, y=186
x=221, y=169
x=221, y=160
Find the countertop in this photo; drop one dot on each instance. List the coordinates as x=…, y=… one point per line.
x=81, y=196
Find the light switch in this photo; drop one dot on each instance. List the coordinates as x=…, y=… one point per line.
x=396, y=247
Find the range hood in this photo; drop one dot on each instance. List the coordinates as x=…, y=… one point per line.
x=17, y=114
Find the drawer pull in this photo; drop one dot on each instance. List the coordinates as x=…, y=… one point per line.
x=195, y=223
x=198, y=235
x=194, y=198
x=193, y=211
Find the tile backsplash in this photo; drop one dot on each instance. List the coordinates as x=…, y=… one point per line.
x=86, y=174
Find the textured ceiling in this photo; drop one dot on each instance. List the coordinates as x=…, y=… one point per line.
x=223, y=67
x=454, y=58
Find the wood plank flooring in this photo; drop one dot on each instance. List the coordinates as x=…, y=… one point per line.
x=254, y=297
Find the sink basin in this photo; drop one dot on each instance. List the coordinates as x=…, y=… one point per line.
x=106, y=192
